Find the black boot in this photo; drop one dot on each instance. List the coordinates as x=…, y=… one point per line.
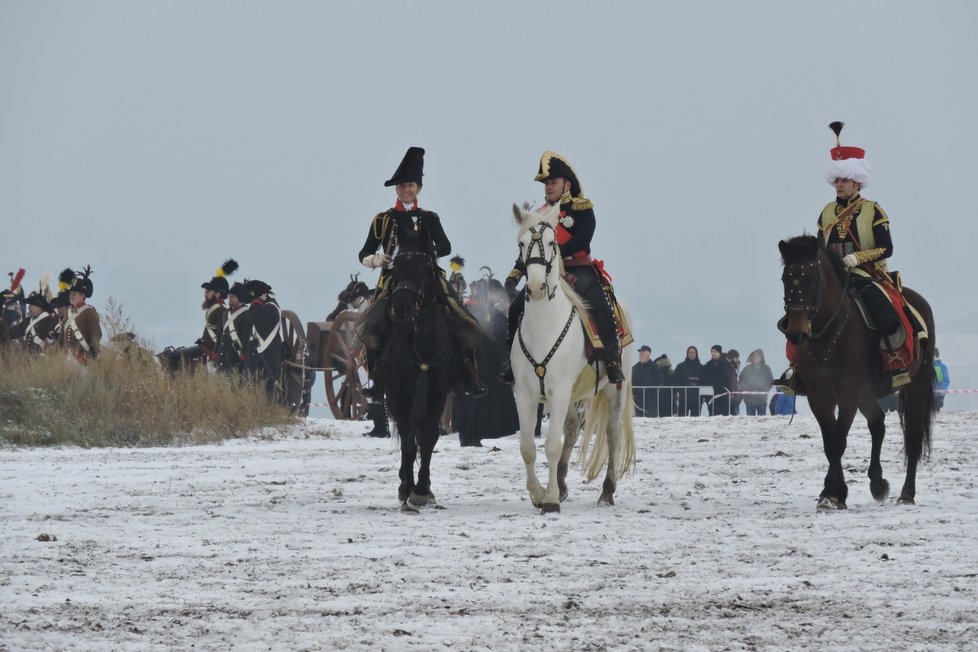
x=472, y=385
x=376, y=390
x=506, y=372
x=378, y=414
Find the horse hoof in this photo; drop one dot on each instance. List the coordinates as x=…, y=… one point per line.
x=880, y=490
x=414, y=500
x=606, y=501
x=550, y=508
x=406, y=508
x=830, y=504
x=563, y=496
x=906, y=500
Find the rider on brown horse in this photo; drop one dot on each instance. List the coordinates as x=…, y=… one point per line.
x=374, y=322
x=858, y=230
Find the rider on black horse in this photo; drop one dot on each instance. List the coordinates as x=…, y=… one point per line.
x=858, y=230
x=574, y=232
x=375, y=321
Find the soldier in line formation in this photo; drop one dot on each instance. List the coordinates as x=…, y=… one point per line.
x=42, y=322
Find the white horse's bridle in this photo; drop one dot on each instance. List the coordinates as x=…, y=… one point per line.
x=536, y=243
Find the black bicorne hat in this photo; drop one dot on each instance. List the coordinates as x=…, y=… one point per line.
x=219, y=283
x=83, y=283
x=553, y=165
x=257, y=288
x=410, y=169
x=239, y=290
x=39, y=300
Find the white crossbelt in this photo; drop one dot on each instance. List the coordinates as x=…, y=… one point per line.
x=232, y=329
x=29, y=332
x=264, y=342
x=73, y=327
x=209, y=328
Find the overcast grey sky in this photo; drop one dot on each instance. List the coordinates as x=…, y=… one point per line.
x=151, y=140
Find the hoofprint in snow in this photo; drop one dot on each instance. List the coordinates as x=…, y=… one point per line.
x=296, y=541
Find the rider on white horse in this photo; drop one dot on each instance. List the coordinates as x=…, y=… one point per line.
x=574, y=232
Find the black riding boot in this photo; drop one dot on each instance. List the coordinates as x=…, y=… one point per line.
x=472, y=385
x=377, y=412
x=608, y=331
x=512, y=325
x=376, y=390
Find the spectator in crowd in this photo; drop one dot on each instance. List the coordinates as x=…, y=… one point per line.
x=665, y=380
x=782, y=403
x=756, y=377
x=942, y=380
x=718, y=373
x=688, y=374
x=733, y=357
x=646, y=375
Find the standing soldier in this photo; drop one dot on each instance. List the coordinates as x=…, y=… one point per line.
x=215, y=291
x=235, y=332
x=36, y=328
x=82, y=331
x=575, y=228
x=456, y=280
x=373, y=325
x=60, y=305
x=13, y=311
x=265, y=345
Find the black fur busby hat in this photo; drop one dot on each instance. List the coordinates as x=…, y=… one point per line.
x=553, y=165
x=219, y=283
x=354, y=289
x=239, y=290
x=39, y=300
x=83, y=282
x=410, y=169
x=60, y=301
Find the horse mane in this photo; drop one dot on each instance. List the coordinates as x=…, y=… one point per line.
x=804, y=249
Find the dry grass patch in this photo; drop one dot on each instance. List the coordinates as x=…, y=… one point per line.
x=120, y=400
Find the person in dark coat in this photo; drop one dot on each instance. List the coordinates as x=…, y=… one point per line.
x=719, y=373
x=265, y=348
x=666, y=406
x=646, y=374
x=688, y=374
x=756, y=377
x=232, y=351
x=733, y=357
x=494, y=415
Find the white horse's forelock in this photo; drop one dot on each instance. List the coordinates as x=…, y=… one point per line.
x=529, y=218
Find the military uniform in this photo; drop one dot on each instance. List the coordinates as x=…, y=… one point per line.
x=35, y=330
x=81, y=333
x=232, y=351
x=373, y=323
x=265, y=348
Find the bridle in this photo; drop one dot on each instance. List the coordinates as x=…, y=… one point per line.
x=798, y=279
x=410, y=286
x=536, y=244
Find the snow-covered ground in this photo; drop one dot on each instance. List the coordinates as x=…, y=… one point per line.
x=296, y=542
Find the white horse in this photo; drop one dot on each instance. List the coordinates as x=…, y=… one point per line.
x=550, y=368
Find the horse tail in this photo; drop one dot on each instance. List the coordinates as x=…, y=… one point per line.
x=916, y=406
x=594, y=441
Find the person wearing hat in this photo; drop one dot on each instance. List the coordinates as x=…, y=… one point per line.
x=265, y=348
x=235, y=332
x=645, y=375
x=373, y=322
x=215, y=292
x=456, y=280
x=36, y=329
x=81, y=333
x=353, y=297
x=13, y=299
x=575, y=229
x=60, y=305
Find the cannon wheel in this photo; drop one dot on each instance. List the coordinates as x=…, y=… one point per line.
x=293, y=377
x=344, y=360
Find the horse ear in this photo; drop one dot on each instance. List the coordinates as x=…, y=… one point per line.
x=781, y=247
x=517, y=215
x=813, y=246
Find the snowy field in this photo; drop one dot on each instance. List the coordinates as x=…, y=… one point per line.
x=295, y=541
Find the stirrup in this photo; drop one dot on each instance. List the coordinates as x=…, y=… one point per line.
x=373, y=393
x=615, y=374
x=506, y=373
x=899, y=378
x=476, y=389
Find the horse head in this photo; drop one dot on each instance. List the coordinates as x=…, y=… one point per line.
x=803, y=280
x=412, y=275
x=539, y=251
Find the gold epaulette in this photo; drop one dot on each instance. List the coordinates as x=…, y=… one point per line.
x=869, y=255
x=883, y=218
x=581, y=204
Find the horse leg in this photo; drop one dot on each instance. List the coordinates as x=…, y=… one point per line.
x=614, y=433
x=916, y=415
x=409, y=452
x=834, y=433
x=427, y=438
x=572, y=430
x=553, y=447
x=876, y=419
x=527, y=410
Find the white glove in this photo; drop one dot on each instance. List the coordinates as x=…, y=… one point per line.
x=376, y=260
x=850, y=261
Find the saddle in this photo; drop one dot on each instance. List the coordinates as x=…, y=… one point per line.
x=900, y=349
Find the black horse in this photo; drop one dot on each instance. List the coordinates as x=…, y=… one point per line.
x=838, y=363
x=419, y=361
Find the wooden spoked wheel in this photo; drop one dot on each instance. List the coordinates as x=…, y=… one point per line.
x=293, y=374
x=345, y=369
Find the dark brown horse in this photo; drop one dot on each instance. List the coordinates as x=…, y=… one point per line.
x=838, y=364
